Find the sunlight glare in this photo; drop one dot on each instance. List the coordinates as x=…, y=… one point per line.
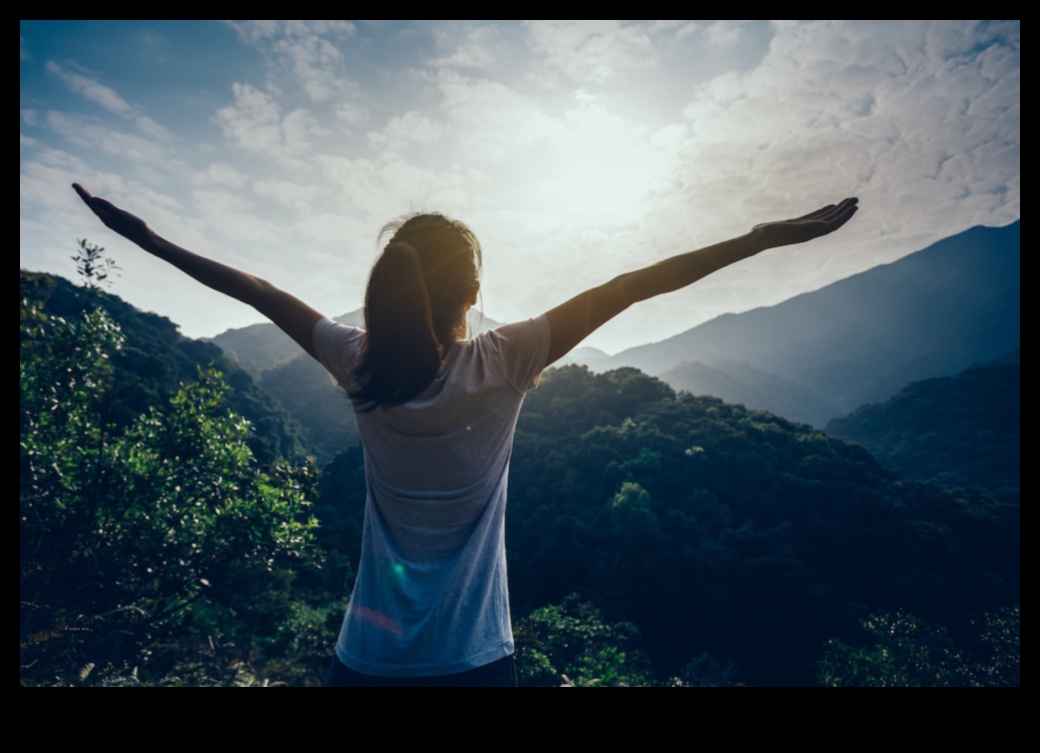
x=601, y=165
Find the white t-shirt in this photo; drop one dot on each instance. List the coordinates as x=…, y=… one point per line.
x=431, y=595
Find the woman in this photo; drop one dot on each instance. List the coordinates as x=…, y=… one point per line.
x=436, y=413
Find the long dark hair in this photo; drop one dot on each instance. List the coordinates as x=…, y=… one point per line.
x=417, y=293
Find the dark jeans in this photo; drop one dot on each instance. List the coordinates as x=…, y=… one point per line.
x=497, y=674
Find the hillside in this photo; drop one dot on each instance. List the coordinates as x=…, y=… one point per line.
x=932, y=313
x=964, y=430
x=717, y=530
x=156, y=359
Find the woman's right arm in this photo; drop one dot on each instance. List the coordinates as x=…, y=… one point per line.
x=290, y=314
x=573, y=321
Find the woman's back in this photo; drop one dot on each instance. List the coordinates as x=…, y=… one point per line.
x=431, y=594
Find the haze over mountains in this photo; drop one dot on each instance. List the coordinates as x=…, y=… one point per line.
x=860, y=340
x=812, y=358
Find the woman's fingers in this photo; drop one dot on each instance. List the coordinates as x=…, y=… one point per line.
x=814, y=215
x=83, y=193
x=100, y=207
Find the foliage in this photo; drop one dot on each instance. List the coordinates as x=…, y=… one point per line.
x=907, y=652
x=570, y=645
x=146, y=544
x=155, y=359
x=964, y=430
x=303, y=388
x=726, y=534
x=92, y=266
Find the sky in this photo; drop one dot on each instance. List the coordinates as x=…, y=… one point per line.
x=576, y=150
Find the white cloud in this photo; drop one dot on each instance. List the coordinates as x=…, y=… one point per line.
x=219, y=173
x=721, y=34
x=109, y=99
x=255, y=123
x=405, y=130
x=307, y=50
x=84, y=132
x=591, y=51
x=297, y=197
x=92, y=90
x=235, y=218
x=490, y=120
x=477, y=49
x=351, y=114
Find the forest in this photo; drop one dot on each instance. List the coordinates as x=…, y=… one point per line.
x=176, y=529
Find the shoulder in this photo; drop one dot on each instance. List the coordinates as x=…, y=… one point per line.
x=337, y=347
x=519, y=350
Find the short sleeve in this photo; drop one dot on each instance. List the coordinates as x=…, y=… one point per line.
x=523, y=348
x=338, y=348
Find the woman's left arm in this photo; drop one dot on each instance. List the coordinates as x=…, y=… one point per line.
x=290, y=314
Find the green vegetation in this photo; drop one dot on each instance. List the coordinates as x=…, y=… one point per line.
x=964, y=430
x=148, y=546
x=908, y=652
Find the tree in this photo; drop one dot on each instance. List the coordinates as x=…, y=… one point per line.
x=908, y=652
x=137, y=542
x=570, y=644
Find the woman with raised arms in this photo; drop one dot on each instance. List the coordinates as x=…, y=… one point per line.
x=436, y=413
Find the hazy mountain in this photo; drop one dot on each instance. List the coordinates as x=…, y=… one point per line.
x=932, y=313
x=263, y=346
x=594, y=358
x=743, y=383
x=963, y=430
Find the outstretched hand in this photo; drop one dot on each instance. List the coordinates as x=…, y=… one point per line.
x=127, y=225
x=805, y=228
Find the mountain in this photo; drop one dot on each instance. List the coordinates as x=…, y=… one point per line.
x=744, y=384
x=964, y=430
x=932, y=313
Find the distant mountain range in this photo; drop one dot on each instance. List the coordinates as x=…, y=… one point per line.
x=821, y=355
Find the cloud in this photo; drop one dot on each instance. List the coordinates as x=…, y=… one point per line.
x=109, y=99
x=722, y=34
x=92, y=90
x=590, y=51
x=477, y=49
x=406, y=130
x=219, y=173
x=307, y=50
x=297, y=197
x=254, y=122
x=490, y=120
x=84, y=132
x=235, y=218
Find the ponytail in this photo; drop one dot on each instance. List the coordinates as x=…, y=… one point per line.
x=418, y=292
x=402, y=353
